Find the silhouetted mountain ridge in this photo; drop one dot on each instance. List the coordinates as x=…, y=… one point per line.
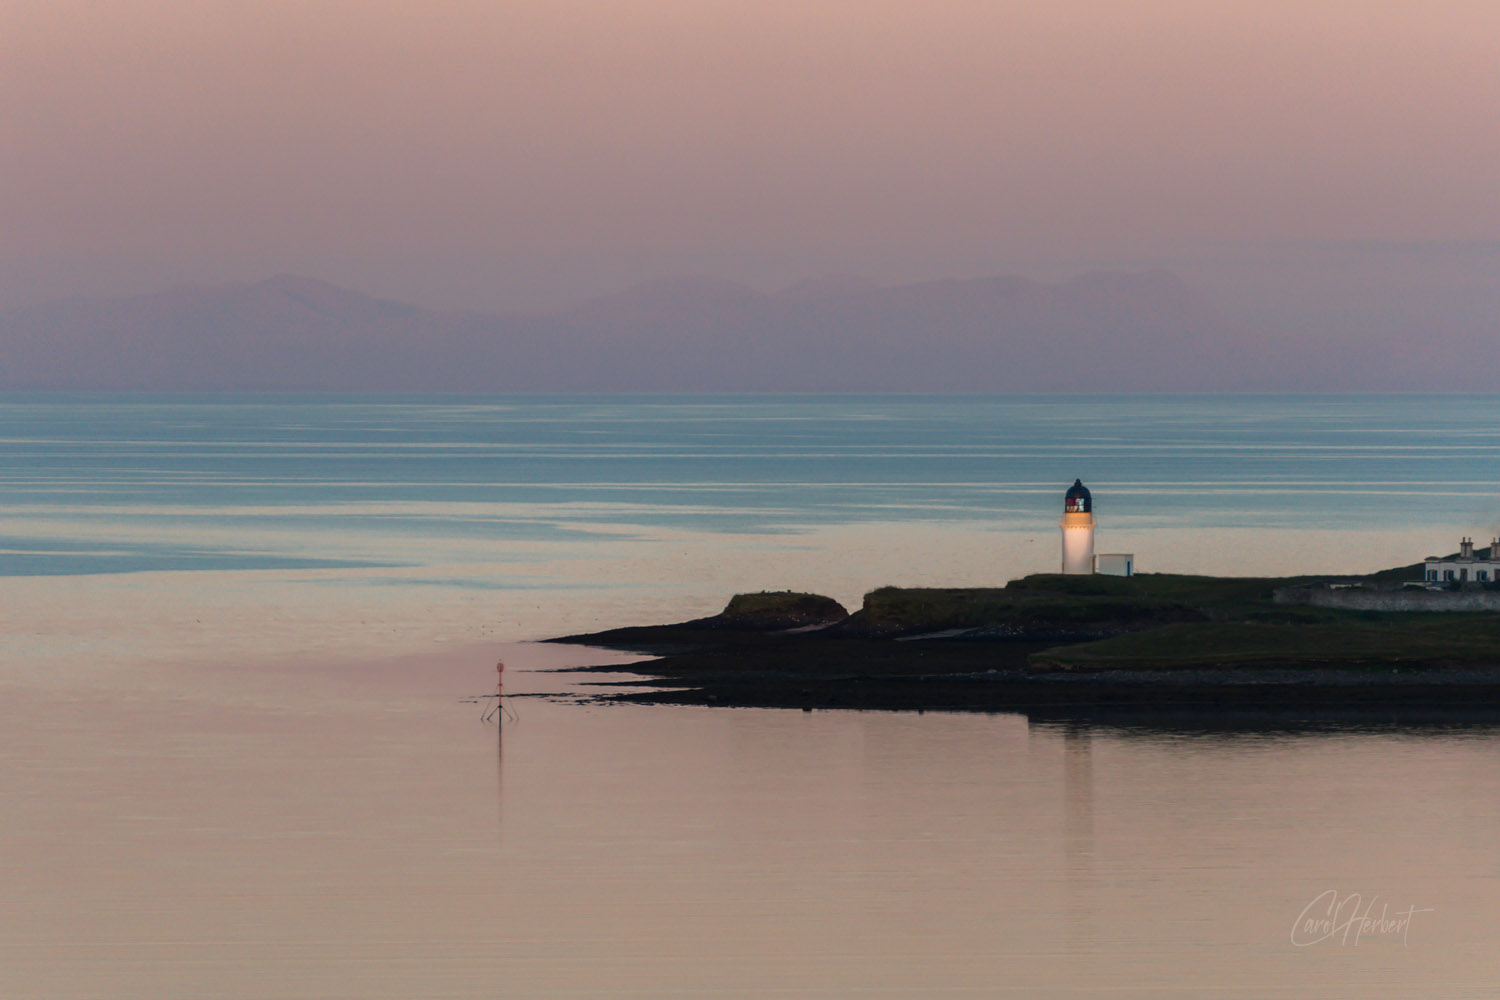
x=1121, y=331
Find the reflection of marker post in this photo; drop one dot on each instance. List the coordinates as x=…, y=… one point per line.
x=499, y=692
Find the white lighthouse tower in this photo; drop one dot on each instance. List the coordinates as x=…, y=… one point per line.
x=1077, y=525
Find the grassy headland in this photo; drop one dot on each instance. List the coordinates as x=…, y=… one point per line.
x=1051, y=640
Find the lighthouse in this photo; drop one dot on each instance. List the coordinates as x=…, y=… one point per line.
x=1077, y=525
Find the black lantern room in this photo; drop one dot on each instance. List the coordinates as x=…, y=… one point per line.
x=1078, y=499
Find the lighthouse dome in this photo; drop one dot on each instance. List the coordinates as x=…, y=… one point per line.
x=1078, y=499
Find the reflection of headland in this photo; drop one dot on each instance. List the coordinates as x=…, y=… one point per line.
x=1128, y=721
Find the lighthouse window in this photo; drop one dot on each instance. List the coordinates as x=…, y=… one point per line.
x=1075, y=505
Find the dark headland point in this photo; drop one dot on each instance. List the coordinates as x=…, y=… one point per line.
x=1099, y=639
x=1085, y=646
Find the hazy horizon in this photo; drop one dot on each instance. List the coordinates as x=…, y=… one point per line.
x=1312, y=167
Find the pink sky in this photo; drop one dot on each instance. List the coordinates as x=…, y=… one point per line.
x=523, y=154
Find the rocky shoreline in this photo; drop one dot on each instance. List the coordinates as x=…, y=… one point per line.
x=1067, y=649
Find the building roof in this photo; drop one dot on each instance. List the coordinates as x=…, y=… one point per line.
x=1490, y=555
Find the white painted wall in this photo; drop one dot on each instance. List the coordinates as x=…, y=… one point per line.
x=1077, y=543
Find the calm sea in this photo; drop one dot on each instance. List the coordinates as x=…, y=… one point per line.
x=238, y=633
x=112, y=484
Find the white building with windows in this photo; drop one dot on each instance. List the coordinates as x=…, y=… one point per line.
x=1465, y=566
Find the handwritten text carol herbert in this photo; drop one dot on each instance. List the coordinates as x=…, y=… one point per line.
x=1347, y=919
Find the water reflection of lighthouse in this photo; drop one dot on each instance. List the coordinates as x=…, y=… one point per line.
x=1078, y=841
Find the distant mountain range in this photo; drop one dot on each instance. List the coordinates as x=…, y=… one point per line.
x=1107, y=331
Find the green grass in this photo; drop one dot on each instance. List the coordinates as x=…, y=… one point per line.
x=1392, y=640
x=1401, y=574
x=1169, y=620
x=1165, y=620
x=904, y=610
x=1208, y=593
x=783, y=604
x=1063, y=602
